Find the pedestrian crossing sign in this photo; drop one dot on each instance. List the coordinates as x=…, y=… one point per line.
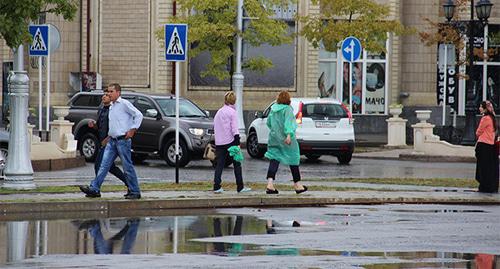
x=40, y=40
x=176, y=42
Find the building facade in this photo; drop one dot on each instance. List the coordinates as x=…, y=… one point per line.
x=118, y=39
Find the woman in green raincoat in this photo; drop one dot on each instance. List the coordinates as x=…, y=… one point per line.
x=282, y=146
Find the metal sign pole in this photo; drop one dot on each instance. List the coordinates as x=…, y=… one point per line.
x=350, y=86
x=176, y=50
x=177, y=74
x=48, y=93
x=40, y=93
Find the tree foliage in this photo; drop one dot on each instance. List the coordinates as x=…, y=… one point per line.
x=338, y=19
x=16, y=15
x=455, y=33
x=212, y=28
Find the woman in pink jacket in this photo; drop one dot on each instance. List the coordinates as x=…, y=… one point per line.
x=486, y=153
x=227, y=135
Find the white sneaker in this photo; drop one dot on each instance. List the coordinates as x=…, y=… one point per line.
x=245, y=190
x=220, y=190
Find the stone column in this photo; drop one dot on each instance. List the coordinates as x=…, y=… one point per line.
x=396, y=129
x=421, y=130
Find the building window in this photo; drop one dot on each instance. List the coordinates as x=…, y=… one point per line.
x=282, y=74
x=486, y=72
x=367, y=93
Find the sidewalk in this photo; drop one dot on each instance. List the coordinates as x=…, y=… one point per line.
x=408, y=154
x=113, y=203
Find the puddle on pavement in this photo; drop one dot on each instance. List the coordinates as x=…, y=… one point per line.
x=175, y=234
x=438, y=211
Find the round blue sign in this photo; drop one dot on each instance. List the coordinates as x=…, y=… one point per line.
x=351, y=49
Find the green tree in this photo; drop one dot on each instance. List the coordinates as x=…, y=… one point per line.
x=16, y=15
x=212, y=29
x=338, y=19
x=455, y=33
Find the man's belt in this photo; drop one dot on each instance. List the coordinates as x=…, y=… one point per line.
x=119, y=137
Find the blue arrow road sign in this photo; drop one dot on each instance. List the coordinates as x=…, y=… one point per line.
x=351, y=49
x=176, y=42
x=40, y=40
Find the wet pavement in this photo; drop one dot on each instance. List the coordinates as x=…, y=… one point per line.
x=344, y=236
x=254, y=171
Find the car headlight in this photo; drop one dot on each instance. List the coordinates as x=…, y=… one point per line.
x=196, y=131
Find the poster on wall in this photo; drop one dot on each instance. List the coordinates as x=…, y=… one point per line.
x=375, y=88
x=357, y=80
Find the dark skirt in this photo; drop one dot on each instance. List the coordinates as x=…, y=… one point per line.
x=487, y=167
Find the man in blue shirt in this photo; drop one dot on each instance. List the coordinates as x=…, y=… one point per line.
x=124, y=120
x=102, y=126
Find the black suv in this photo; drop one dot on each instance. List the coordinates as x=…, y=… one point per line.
x=156, y=136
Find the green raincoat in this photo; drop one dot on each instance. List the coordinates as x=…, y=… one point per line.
x=281, y=122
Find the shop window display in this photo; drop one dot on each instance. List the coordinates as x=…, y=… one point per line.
x=368, y=91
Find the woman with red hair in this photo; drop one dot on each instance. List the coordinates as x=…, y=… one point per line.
x=282, y=146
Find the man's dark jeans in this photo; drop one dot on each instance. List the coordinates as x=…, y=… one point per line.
x=221, y=154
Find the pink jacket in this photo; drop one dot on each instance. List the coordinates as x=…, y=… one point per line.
x=486, y=131
x=225, y=125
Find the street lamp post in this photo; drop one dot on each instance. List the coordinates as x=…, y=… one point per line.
x=18, y=170
x=238, y=77
x=483, y=11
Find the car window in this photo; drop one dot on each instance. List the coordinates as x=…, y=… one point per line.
x=322, y=110
x=85, y=100
x=129, y=98
x=186, y=108
x=143, y=104
x=268, y=109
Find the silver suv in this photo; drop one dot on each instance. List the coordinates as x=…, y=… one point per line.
x=156, y=136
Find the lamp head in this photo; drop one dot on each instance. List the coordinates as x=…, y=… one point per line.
x=449, y=9
x=483, y=10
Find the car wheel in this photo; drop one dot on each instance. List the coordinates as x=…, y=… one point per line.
x=88, y=146
x=344, y=158
x=4, y=151
x=313, y=157
x=253, y=146
x=3, y=161
x=139, y=158
x=169, y=153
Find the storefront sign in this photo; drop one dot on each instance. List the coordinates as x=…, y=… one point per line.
x=450, y=86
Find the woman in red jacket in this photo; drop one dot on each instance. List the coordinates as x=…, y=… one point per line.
x=486, y=154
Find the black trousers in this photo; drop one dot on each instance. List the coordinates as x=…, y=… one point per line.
x=221, y=154
x=273, y=169
x=487, y=167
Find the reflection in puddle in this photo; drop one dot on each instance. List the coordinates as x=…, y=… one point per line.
x=146, y=235
x=175, y=234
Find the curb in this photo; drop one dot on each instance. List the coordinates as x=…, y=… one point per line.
x=376, y=157
x=421, y=158
x=115, y=208
x=57, y=164
x=436, y=158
